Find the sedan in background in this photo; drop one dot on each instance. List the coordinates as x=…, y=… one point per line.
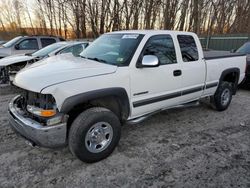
x=9, y=66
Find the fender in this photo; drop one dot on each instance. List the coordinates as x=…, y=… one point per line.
x=228, y=71
x=75, y=100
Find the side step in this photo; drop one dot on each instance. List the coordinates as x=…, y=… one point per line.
x=142, y=118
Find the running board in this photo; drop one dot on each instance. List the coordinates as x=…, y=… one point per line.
x=142, y=118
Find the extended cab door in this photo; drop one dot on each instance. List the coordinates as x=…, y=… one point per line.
x=154, y=88
x=193, y=67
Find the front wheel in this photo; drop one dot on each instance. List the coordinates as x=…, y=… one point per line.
x=223, y=96
x=94, y=134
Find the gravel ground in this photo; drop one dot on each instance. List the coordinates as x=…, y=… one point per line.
x=189, y=147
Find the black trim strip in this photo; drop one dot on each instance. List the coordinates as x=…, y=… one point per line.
x=141, y=93
x=172, y=95
x=192, y=90
x=156, y=99
x=211, y=85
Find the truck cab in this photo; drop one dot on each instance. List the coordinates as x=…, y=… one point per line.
x=26, y=44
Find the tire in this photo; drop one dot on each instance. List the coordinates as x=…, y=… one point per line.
x=93, y=126
x=223, y=96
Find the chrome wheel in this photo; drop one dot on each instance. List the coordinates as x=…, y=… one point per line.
x=99, y=137
x=225, y=97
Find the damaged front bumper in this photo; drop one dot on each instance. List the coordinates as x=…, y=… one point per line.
x=36, y=133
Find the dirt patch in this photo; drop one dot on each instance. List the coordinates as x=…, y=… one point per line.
x=191, y=147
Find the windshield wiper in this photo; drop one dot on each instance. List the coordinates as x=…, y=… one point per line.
x=97, y=59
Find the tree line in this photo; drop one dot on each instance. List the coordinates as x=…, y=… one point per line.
x=90, y=18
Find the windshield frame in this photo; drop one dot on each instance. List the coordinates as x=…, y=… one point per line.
x=127, y=62
x=12, y=42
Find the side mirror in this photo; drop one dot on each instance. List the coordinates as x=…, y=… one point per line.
x=150, y=61
x=233, y=51
x=17, y=47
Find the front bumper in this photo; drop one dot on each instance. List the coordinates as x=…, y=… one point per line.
x=44, y=136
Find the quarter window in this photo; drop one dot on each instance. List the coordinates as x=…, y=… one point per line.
x=47, y=41
x=188, y=47
x=161, y=46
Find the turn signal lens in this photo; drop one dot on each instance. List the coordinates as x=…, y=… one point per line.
x=48, y=113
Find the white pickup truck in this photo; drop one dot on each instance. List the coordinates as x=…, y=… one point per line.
x=121, y=77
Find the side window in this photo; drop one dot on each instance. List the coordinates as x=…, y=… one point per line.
x=78, y=49
x=28, y=44
x=161, y=46
x=67, y=50
x=188, y=47
x=47, y=41
x=75, y=50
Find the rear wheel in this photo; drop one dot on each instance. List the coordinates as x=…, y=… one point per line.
x=223, y=96
x=94, y=134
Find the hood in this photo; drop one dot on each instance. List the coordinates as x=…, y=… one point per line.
x=58, y=69
x=14, y=59
x=4, y=52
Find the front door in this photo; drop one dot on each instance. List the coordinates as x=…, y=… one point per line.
x=26, y=46
x=154, y=88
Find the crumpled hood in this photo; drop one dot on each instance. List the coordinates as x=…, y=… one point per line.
x=58, y=69
x=15, y=59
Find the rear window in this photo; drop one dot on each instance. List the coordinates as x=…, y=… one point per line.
x=188, y=47
x=47, y=41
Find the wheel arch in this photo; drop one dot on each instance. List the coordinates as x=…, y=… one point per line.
x=115, y=99
x=231, y=75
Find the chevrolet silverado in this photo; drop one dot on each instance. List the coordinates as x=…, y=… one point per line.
x=121, y=77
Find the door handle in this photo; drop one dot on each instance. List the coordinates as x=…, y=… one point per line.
x=177, y=72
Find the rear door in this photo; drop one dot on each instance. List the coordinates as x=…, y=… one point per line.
x=156, y=87
x=47, y=41
x=193, y=67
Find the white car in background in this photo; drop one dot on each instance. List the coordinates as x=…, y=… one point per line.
x=10, y=65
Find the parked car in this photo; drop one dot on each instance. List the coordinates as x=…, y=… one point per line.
x=26, y=44
x=121, y=77
x=10, y=65
x=246, y=50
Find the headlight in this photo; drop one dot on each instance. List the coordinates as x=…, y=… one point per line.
x=41, y=112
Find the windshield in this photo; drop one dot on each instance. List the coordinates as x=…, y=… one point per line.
x=11, y=42
x=114, y=49
x=48, y=49
x=244, y=49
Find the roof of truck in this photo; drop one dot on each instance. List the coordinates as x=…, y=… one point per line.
x=152, y=32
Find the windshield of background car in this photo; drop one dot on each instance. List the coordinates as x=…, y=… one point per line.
x=245, y=48
x=48, y=49
x=114, y=49
x=11, y=42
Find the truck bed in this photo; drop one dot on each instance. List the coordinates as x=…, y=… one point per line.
x=220, y=54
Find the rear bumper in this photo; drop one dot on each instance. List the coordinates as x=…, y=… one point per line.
x=44, y=136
